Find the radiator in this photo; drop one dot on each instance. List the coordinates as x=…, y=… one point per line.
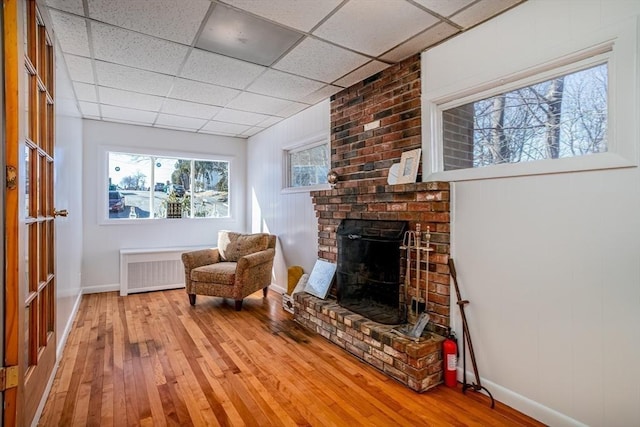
x=144, y=270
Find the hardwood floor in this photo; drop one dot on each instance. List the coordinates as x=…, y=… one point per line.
x=153, y=360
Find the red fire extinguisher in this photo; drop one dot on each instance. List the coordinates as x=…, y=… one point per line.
x=450, y=356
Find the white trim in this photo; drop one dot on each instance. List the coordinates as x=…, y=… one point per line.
x=525, y=405
x=315, y=140
x=59, y=352
x=96, y=289
x=103, y=172
x=277, y=288
x=618, y=47
x=307, y=189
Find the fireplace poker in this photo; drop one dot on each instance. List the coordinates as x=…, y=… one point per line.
x=408, y=242
x=418, y=245
x=466, y=337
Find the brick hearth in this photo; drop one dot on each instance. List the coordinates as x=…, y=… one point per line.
x=418, y=365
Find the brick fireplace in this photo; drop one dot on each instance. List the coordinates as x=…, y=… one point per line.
x=362, y=159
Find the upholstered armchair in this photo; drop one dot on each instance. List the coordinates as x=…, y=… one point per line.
x=238, y=267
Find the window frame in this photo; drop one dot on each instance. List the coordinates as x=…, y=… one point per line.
x=103, y=199
x=621, y=141
x=310, y=142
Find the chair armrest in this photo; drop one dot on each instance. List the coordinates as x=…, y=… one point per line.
x=255, y=259
x=199, y=258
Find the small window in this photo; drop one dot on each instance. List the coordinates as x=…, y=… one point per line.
x=565, y=116
x=307, y=165
x=144, y=186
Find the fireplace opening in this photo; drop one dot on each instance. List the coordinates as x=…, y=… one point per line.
x=368, y=269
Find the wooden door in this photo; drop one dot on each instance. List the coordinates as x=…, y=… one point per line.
x=30, y=336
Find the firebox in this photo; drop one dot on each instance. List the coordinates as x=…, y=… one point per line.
x=368, y=269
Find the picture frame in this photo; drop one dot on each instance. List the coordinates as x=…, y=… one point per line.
x=320, y=279
x=409, y=163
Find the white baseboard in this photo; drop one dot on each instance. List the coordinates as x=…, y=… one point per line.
x=100, y=288
x=523, y=404
x=279, y=289
x=59, y=350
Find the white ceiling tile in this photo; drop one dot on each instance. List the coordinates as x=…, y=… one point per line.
x=189, y=109
x=320, y=60
x=85, y=92
x=252, y=131
x=321, y=95
x=176, y=20
x=301, y=14
x=71, y=32
x=283, y=85
x=240, y=117
x=114, y=44
x=127, y=78
x=72, y=6
x=89, y=109
x=80, y=69
x=221, y=70
x=225, y=128
x=444, y=7
x=204, y=93
x=420, y=42
x=248, y=101
x=180, y=122
x=374, y=27
x=361, y=73
x=292, y=109
x=123, y=98
x=128, y=115
x=272, y=120
x=481, y=11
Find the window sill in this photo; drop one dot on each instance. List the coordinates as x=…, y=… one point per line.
x=539, y=167
x=306, y=189
x=157, y=221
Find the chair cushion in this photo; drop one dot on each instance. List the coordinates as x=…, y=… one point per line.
x=233, y=246
x=223, y=273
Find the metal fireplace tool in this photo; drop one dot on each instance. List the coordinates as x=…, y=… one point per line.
x=417, y=313
x=466, y=338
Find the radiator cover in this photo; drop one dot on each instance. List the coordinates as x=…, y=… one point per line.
x=144, y=270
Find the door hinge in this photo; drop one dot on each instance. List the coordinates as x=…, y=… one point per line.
x=11, y=177
x=8, y=377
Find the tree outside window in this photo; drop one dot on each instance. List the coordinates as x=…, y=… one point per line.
x=147, y=183
x=562, y=117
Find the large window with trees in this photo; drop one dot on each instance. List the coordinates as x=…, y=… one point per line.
x=144, y=186
x=564, y=116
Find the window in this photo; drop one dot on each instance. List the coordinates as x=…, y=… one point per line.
x=142, y=186
x=307, y=165
x=564, y=116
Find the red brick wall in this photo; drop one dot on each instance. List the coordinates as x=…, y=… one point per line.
x=362, y=160
x=391, y=96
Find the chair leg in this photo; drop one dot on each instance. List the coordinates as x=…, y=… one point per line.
x=238, y=304
x=192, y=299
x=265, y=290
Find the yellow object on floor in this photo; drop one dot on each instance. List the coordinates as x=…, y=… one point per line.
x=294, y=274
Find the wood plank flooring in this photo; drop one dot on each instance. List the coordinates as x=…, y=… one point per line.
x=153, y=360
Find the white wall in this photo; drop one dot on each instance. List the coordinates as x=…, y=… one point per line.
x=288, y=215
x=68, y=195
x=551, y=262
x=102, y=242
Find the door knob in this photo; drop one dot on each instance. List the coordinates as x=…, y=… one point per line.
x=62, y=212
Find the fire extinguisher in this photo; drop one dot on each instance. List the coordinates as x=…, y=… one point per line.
x=450, y=356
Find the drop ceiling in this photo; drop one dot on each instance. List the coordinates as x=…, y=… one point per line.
x=237, y=67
